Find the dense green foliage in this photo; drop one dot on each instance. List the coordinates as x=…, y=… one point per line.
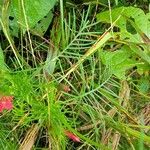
x=75, y=67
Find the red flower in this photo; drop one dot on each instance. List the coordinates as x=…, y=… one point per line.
x=71, y=136
x=6, y=103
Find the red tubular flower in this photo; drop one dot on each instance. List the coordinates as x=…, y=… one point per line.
x=71, y=136
x=6, y=103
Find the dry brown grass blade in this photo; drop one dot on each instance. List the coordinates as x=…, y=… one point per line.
x=144, y=119
x=124, y=95
x=30, y=138
x=106, y=135
x=116, y=139
x=145, y=116
x=88, y=126
x=124, y=98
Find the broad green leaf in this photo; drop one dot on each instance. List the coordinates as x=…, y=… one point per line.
x=127, y=31
x=140, y=52
x=118, y=61
x=134, y=26
x=26, y=14
x=42, y=25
